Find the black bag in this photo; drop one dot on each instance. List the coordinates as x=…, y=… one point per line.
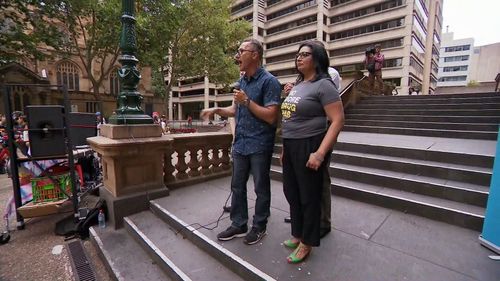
x=371, y=67
x=68, y=227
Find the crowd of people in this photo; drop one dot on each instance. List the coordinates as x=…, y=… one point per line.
x=312, y=116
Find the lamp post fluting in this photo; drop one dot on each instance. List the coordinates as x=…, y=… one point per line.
x=129, y=100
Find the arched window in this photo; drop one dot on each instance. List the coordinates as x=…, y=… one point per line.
x=114, y=82
x=67, y=74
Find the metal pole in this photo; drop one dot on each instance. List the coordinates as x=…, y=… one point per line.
x=14, y=173
x=69, y=150
x=129, y=100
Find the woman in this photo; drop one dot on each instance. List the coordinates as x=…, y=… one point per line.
x=307, y=145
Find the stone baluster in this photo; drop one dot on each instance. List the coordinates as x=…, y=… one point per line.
x=168, y=167
x=181, y=165
x=205, y=162
x=193, y=163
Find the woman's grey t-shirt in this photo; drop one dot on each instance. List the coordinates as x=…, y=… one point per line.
x=302, y=111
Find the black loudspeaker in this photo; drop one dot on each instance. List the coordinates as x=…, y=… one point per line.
x=46, y=130
x=82, y=126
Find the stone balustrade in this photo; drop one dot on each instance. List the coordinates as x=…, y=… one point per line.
x=197, y=157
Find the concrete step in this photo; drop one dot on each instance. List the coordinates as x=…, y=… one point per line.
x=460, y=134
x=432, y=97
x=180, y=258
x=426, y=112
x=237, y=265
x=428, y=106
x=434, y=100
x=456, y=213
x=450, y=190
x=425, y=125
x=415, y=181
x=422, y=118
x=124, y=258
x=445, y=171
x=389, y=149
x=460, y=214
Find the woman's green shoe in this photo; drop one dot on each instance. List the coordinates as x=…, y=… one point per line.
x=293, y=258
x=290, y=244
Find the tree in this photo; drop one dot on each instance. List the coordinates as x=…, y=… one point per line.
x=23, y=30
x=91, y=31
x=191, y=39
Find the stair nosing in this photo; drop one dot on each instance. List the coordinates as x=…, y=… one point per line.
x=415, y=180
x=413, y=200
x=155, y=250
x=214, y=245
x=420, y=162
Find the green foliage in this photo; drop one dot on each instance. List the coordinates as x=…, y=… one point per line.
x=472, y=83
x=90, y=30
x=191, y=38
x=23, y=29
x=158, y=83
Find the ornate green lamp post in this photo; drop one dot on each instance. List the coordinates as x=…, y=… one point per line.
x=129, y=100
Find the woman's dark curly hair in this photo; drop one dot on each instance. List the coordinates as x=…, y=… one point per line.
x=320, y=59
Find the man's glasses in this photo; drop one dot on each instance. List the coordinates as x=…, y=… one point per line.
x=302, y=55
x=241, y=51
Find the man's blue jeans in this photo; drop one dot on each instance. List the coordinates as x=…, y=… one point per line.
x=258, y=165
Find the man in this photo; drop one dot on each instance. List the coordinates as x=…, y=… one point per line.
x=256, y=108
x=379, y=63
x=326, y=195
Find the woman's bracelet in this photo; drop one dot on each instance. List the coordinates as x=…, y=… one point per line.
x=320, y=159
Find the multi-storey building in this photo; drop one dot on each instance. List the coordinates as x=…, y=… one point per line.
x=408, y=30
x=455, y=61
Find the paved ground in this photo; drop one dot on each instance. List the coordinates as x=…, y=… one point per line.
x=28, y=255
x=366, y=243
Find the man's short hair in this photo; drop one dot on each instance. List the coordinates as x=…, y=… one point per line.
x=257, y=47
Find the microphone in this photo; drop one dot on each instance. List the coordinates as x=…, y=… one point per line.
x=236, y=85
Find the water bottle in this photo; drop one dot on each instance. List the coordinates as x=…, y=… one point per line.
x=101, y=219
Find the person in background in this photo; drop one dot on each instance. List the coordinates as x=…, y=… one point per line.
x=99, y=121
x=379, y=64
x=256, y=108
x=334, y=74
x=307, y=145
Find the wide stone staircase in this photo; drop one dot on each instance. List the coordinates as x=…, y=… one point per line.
x=427, y=155
x=417, y=154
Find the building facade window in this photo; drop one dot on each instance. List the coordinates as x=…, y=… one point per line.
x=338, y=2
x=291, y=25
x=456, y=58
x=453, y=78
x=285, y=57
x=368, y=10
x=291, y=40
x=417, y=45
x=362, y=48
x=68, y=74
x=284, y=72
x=457, y=48
x=455, y=68
x=241, y=6
x=393, y=81
x=416, y=65
x=114, y=83
x=421, y=31
x=92, y=106
x=272, y=2
x=367, y=29
x=291, y=9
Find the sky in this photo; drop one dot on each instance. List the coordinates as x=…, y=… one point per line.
x=478, y=19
